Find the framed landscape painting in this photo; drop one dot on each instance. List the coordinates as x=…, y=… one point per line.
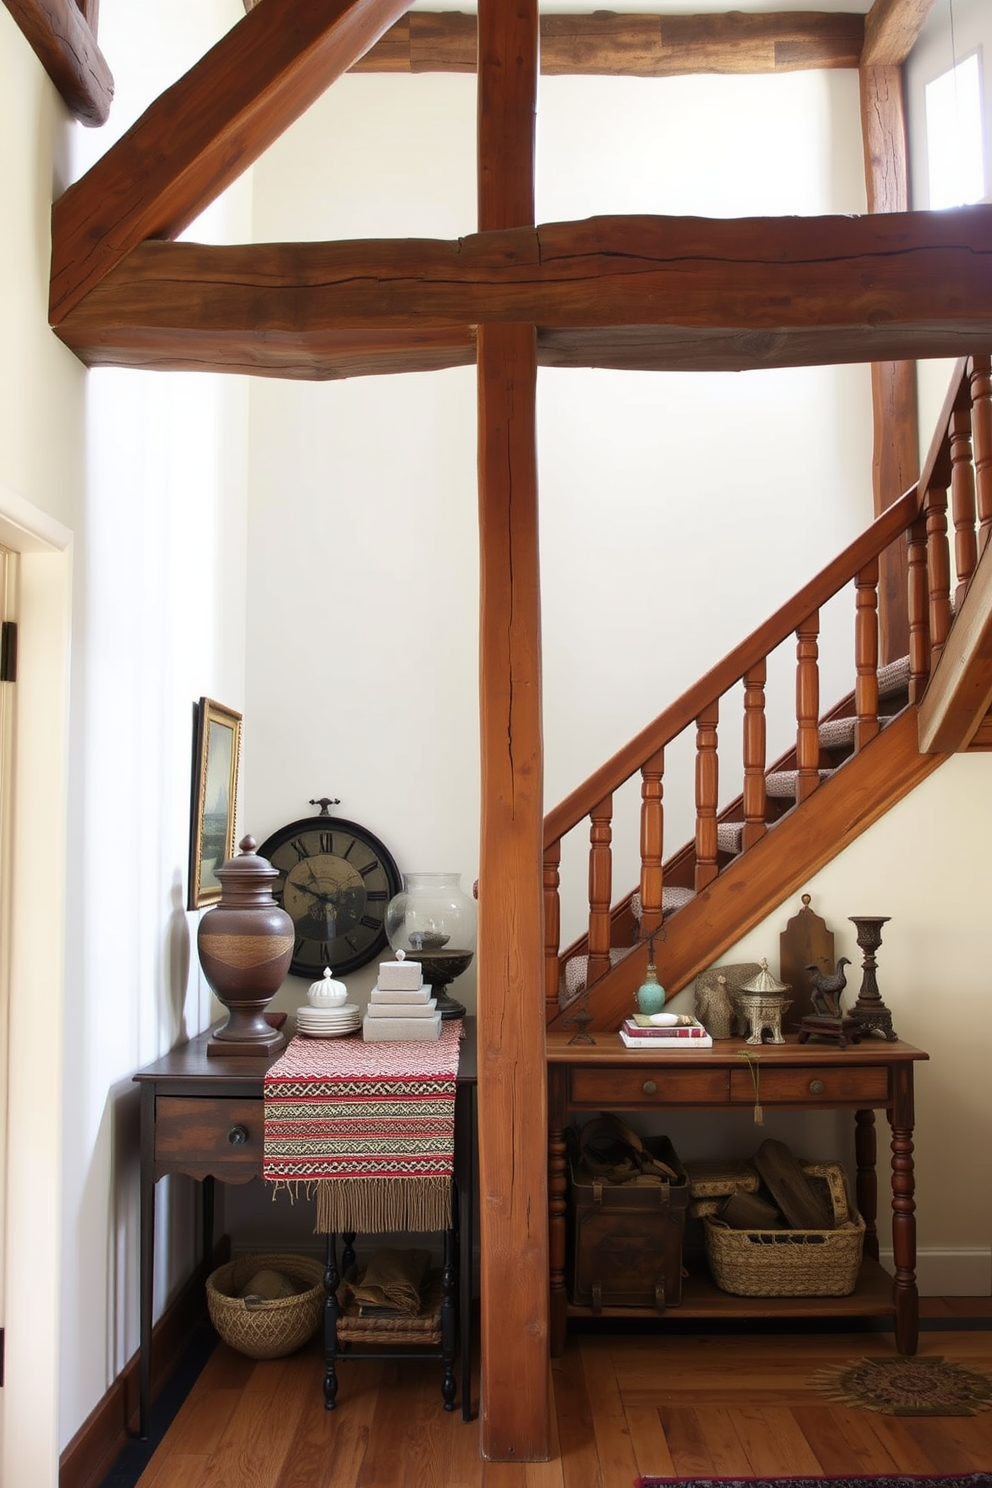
x=216, y=755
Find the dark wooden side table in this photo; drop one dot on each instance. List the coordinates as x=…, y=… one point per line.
x=203, y=1117
x=861, y=1078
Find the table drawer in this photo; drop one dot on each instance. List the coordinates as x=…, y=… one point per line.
x=648, y=1085
x=815, y=1087
x=208, y=1130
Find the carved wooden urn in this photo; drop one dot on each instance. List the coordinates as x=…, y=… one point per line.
x=245, y=945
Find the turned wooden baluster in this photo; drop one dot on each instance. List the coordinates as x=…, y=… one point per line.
x=652, y=841
x=754, y=755
x=707, y=791
x=866, y=654
x=552, y=923
x=962, y=501
x=919, y=612
x=938, y=570
x=981, y=427
x=807, y=706
x=600, y=888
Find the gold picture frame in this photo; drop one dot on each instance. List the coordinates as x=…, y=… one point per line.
x=216, y=759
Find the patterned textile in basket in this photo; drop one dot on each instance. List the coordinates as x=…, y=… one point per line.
x=261, y=1329
x=791, y=1263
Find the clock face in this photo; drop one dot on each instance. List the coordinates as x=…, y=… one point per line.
x=335, y=880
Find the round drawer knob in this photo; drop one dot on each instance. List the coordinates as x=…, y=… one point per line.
x=649, y=1087
x=816, y=1087
x=238, y=1136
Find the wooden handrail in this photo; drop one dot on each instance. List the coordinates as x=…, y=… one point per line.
x=714, y=683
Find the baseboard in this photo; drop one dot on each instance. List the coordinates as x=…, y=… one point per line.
x=949, y=1273
x=113, y=1421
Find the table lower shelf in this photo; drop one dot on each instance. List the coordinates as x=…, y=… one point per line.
x=702, y=1298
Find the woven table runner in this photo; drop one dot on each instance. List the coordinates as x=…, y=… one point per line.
x=369, y=1127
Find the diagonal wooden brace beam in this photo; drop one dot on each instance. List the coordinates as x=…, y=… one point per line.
x=62, y=39
x=204, y=131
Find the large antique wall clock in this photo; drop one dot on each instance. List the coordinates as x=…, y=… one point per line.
x=335, y=880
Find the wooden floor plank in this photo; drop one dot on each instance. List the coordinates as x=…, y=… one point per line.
x=648, y=1440
x=261, y=1431
x=845, y=1446
x=613, y=1445
x=177, y=1470
x=704, y=1443
x=774, y=1443
x=577, y=1436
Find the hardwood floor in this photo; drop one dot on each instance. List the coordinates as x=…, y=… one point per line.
x=675, y=1403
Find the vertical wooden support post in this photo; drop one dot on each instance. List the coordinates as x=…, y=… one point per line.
x=981, y=427
x=513, y=1103
x=755, y=800
x=866, y=654
x=919, y=611
x=652, y=841
x=513, y=1111
x=895, y=458
x=807, y=706
x=707, y=795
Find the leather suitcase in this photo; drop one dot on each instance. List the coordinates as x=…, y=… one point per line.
x=625, y=1238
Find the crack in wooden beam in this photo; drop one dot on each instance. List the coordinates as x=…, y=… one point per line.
x=652, y=292
x=607, y=43
x=60, y=35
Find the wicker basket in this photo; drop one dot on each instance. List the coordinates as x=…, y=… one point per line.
x=791, y=1263
x=260, y=1329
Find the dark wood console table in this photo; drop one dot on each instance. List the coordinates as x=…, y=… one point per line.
x=873, y=1075
x=203, y=1117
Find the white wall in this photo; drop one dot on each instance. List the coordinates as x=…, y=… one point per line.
x=146, y=476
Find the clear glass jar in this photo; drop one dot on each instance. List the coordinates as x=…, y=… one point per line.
x=432, y=920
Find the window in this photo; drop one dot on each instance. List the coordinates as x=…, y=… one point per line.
x=955, y=156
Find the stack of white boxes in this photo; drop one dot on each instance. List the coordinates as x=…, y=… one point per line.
x=401, y=1005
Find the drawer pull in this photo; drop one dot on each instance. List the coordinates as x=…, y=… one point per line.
x=649, y=1087
x=816, y=1087
x=238, y=1135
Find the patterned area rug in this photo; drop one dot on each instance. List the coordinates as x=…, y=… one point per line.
x=902, y=1480
x=906, y=1387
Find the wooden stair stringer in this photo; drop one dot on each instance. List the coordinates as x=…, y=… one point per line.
x=761, y=879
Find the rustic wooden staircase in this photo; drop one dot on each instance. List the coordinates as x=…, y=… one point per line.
x=838, y=774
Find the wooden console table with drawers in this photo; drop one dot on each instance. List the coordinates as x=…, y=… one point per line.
x=203, y=1117
x=872, y=1075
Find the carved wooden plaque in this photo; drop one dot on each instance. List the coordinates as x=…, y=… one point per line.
x=805, y=941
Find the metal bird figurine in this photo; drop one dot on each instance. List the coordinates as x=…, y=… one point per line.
x=827, y=987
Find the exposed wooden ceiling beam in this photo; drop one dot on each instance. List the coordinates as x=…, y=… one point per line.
x=199, y=135
x=607, y=43
x=62, y=39
x=651, y=292
x=891, y=29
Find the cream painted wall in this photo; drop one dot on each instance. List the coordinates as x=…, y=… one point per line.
x=146, y=476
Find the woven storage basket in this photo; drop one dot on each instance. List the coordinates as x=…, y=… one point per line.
x=266, y=1330
x=791, y=1263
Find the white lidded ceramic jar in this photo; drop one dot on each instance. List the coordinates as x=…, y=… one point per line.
x=327, y=993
